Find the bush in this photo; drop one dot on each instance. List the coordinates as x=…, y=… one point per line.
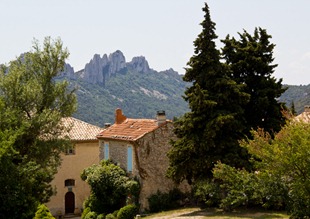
x=115, y=213
x=101, y=216
x=232, y=188
x=110, y=216
x=43, y=213
x=108, y=180
x=208, y=193
x=91, y=215
x=127, y=212
x=165, y=201
x=85, y=212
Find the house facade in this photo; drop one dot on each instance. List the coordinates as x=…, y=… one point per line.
x=140, y=147
x=71, y=191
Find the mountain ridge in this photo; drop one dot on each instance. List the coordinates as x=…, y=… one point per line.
x=108, y=82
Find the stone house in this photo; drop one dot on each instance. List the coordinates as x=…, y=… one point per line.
x=140, y=146
x=71, y=190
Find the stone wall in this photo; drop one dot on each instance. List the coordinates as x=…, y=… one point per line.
x=150, y=161
x=118, y=153
x=152, y=154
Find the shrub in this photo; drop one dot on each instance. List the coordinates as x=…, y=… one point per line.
x=115, y=213
x=127, y=212
x=85, y=212
x=91, y=215
x=110, y=216
x=43, y=213
x=108, y=180
x=101, y=216
x=165, y=201
x=208, y=193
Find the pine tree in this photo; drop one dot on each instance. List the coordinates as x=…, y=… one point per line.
x=251, y=61
x=211, y=130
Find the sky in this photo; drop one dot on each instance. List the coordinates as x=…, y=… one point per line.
x=163, y=31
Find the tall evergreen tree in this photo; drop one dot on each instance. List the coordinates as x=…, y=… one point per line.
x=211, y=130
x=251, y=62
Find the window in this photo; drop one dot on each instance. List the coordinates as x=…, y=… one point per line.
x=106, y=150
x=69, y=182
x=70, y=150
x=129, y=158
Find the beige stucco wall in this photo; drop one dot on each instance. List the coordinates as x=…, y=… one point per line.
x=150, y=161
x=86, y=154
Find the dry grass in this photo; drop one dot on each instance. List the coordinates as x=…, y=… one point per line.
x=196, y=213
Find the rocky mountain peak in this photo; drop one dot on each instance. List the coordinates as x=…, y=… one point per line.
x=139, y=64
x=117, y=62
x=100, y=69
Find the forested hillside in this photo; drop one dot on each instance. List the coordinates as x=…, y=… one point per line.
x=141, y=95
x=138, y=95
x=108, y=82
x=297, y=94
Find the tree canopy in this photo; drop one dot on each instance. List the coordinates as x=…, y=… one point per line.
x=250, y=60
x=232, y=93
x=31, y=107
x=210, y=132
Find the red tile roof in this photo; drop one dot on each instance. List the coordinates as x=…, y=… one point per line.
x=80, y=131
x=130, y=129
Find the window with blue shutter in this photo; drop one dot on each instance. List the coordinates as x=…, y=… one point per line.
x=129, y=158
x=106, y=150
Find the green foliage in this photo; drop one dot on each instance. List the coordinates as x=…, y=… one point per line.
x=210, y=132
x=85, y=211
x=127, y=212
x=232, y=188
x=250, y=60
x=31, y=107
x=208, y=192
x=165, y=201
x=110, y=216
x=109, y=187
x=91, y=215
x=101, y=216
x=43, y=213
x=286, y=157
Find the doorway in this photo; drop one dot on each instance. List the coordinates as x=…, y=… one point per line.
x=69, y=202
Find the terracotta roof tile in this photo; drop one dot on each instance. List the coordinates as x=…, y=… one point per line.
x=130, y=129
x=80, y=131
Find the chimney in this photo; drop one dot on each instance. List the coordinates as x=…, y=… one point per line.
x=307, y=109
x=119, y=117
x=107, y=125
x=161, y=117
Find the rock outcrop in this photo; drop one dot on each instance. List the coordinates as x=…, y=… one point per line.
x=68, y=72
x=117, y=63
x=139, y=64
x=100, y=69
x=94, y=70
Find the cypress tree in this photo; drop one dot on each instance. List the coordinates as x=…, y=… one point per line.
x=250, y=60
x=211, y=130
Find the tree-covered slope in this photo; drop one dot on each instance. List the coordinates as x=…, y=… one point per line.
x=297, y=94
x=138, y=95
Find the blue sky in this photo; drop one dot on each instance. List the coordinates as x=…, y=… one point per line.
x=161, y=30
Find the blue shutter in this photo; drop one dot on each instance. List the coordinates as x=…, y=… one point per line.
x=106, y=150
x=129, y=158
